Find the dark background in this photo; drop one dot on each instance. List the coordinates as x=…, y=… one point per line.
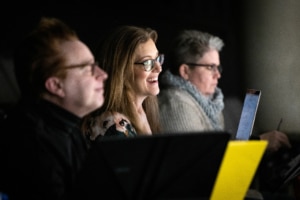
x=93, y=19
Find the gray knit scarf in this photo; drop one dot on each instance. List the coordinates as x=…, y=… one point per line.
x=212, y=106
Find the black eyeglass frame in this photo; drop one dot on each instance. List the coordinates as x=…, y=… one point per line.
x=93, y=65
x=210, y=67
x=149, y=64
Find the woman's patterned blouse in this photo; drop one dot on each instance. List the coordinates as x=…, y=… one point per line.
x=111, y=124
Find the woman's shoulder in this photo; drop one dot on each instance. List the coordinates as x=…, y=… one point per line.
x=175, y=95
x=172, y=92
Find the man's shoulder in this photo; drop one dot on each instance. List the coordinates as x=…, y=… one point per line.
x=18, y=119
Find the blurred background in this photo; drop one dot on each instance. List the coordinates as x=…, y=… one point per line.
x=262, y=43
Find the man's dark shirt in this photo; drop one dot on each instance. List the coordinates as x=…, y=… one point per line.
x=41, y=150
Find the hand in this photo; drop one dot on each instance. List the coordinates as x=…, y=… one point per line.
x=276, y=140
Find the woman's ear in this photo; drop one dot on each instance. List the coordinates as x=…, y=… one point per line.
x=54, y=86
x=184, y=71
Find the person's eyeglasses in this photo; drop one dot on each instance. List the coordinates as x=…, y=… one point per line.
x=93, y=66
x=149, y=64
x=212, y=67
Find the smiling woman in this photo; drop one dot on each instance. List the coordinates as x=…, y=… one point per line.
x=133, y=63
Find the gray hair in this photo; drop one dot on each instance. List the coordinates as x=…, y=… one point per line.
x=189, y=46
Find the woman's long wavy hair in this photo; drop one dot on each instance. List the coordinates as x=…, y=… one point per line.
x=116, y=55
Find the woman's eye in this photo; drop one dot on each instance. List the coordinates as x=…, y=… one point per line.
x=147, y=62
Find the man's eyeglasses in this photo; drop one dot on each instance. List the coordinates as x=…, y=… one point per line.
x=93, y=66
x=149, y=64
x=213, y=68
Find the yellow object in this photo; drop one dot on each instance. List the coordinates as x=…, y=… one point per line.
x=237, y=169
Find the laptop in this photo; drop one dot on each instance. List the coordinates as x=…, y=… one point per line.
x=241, y=153
x=167, y=166
x=248, y=114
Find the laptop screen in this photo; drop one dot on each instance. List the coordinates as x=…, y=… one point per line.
x=169, y=166
x=248, y=114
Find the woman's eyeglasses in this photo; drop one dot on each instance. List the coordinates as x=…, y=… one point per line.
x=149, y=64
x=210, y=67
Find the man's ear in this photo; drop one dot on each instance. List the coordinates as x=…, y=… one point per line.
x=184, y=71
x=54, y=86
